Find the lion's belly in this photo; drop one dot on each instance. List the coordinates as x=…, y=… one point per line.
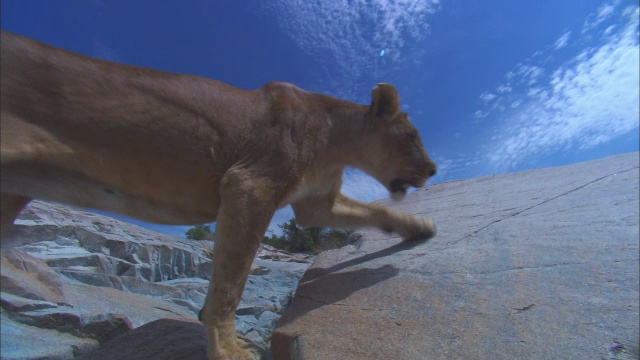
x=155, y=201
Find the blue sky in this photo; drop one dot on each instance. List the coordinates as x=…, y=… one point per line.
x=493, y=86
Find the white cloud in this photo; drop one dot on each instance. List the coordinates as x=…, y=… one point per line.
x=486, y=97
x=601, y=15
x=351, y=34
x=562, y=41
x=502, y=89
x=533, y=73
x=534, y=91
x=525, y=73
x=536, y=54
x=480, y=114
x=451, y=168
x=609, y=30
x=587, y=101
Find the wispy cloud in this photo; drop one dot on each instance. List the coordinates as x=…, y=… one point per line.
x=525, y=73
x=577, y=102
x=586, y=101
x=562, y=41
x=350, y=35
x=504, y=89
x=486, y=97
x=448, y=168
x=598, y=17
x=480, y=114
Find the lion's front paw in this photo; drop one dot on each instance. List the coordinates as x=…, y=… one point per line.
x=224, y=345
x=420, y=229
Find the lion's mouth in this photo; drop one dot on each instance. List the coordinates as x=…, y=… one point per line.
x=399, y=187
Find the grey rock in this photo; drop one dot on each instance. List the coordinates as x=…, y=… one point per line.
x=23, y=342
x=97, y=314
x=68, y=237
x=266, y=322
x=138, y=309
x=15, y=303
x=268, y=252
x=87, y=278
x=159, y=340
x=541, y=264
x=100, y=327
x=29, y=277
x=257, y=329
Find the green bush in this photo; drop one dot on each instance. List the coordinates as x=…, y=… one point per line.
x=294, y=238
x=311, y=240
x=200, y=232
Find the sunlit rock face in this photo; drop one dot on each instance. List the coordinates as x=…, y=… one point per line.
x=537, y=264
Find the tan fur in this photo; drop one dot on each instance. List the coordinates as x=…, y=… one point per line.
x=179, y=149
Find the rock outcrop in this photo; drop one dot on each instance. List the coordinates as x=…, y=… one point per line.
x=540, y=264
x=76, y=280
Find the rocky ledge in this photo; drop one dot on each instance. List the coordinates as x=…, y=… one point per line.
x=76, y=280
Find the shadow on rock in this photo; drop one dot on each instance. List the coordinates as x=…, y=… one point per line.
x=316, y=273
x=162, y=339
x=330, y=289
x=327, y=286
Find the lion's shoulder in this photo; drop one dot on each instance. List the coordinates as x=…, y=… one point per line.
x=280, y=86
x=281, y=91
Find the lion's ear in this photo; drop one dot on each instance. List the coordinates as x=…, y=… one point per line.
x=385, y=100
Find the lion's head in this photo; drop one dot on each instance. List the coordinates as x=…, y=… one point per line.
x=398, y=159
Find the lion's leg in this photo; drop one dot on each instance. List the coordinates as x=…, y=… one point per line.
x=243, y=218
x=348, y=213
x=10, y=207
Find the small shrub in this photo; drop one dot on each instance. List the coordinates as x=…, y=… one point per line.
x=311, y=240
x=200, y=232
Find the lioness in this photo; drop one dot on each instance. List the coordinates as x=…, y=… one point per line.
x=180, y=149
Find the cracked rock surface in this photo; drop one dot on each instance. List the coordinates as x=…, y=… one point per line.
x=541, y=264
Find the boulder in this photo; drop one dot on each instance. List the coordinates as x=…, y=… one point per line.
x=162, y=339
x=29, y=277
x=19, y=342
x=541, y=264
